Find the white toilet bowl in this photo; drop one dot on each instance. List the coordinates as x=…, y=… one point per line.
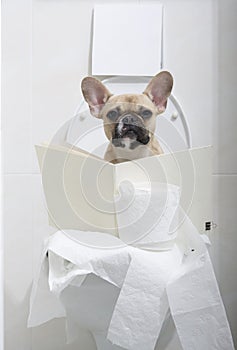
x=90, y=307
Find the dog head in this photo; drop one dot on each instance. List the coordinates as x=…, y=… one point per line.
x=129, y=119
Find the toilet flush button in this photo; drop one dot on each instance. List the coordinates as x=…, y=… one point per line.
x=174, y=115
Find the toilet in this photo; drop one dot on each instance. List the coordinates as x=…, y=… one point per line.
x=90, y=305
x=83, y=278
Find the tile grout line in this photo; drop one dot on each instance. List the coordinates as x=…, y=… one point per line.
x=38, y=173
x=12, y=174
x=224, y=174
x=31, y=140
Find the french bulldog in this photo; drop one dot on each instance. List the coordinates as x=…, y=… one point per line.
x=129, y=119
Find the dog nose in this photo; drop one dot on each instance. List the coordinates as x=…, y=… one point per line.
x=129, y=119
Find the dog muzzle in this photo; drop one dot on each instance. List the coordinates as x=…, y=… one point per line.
x=130, y=127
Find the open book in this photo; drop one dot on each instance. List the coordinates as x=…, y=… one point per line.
x=79, y=187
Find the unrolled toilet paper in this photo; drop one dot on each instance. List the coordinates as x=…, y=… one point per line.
x=68, y=260
x=194, y=298
x=142, y=304
x=148, y=283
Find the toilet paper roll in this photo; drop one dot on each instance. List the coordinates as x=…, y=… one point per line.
x=147, y=214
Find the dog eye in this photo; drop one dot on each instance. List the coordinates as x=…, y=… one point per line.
x=112, y=114
x=146, y=113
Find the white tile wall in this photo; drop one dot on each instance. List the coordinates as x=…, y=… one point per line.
x=36, y=93
x=46, y=52
x=18, y=258
x=225, y=162
x=16, y=85
x=225, y=122
x=189, y=53
x=226, y=194
x=60, y=57
x=1, y=254
x=41, y=229
x=1, y=237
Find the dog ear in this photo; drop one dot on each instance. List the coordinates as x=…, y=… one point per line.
x=159, y=89
x=95, y=94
